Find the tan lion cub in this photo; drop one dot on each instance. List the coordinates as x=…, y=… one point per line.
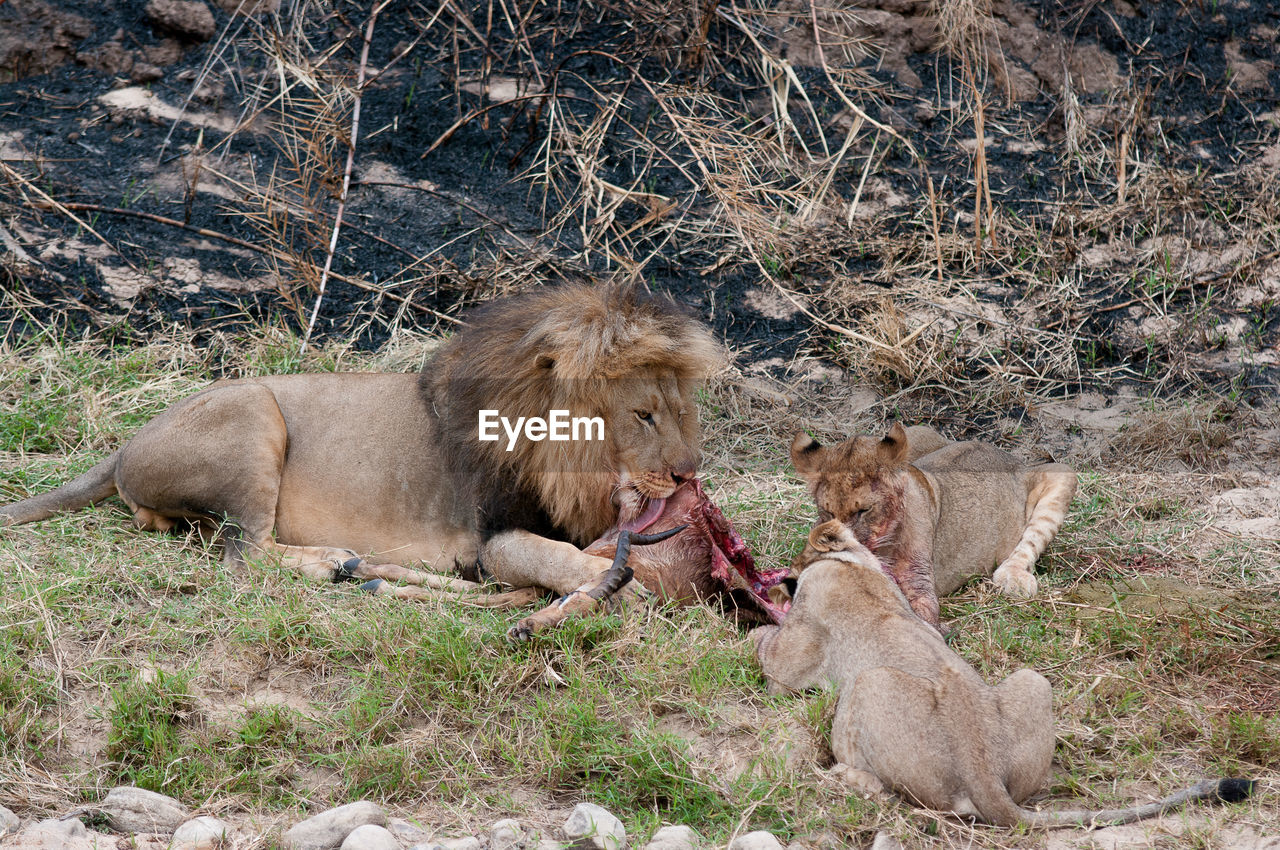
x=912, y=715
x=938, y=513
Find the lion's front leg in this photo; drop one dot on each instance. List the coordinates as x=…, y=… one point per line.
x=521, y=559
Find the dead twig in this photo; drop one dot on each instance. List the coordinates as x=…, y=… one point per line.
x=65, y=209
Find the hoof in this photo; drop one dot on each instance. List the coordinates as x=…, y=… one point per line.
x=521, y=632
x=346, y=571
x=374, y=587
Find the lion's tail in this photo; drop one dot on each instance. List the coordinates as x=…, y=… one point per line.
x=1210, y=790
x=93, y=486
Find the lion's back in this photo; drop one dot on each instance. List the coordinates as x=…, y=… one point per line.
x=982, y=495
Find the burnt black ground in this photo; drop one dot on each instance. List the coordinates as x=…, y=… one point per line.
x=78, y=153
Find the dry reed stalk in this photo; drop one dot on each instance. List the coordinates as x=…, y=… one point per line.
x=346, y=173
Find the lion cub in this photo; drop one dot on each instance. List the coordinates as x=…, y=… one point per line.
x=938, y=513
x=912, y=716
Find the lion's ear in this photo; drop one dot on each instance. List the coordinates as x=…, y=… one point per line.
x=806, y=453
x=892, y=450
x=544, y=362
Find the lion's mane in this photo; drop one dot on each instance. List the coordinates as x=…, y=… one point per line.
x=577, y=347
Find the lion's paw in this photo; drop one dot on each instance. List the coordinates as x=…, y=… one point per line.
x=1015, y=581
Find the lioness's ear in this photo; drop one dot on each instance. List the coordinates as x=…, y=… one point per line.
x=805, y=452
x=893, y=448
x=825, y=537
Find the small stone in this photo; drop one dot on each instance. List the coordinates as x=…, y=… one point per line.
x=598, y=826
x=407, y=831
x=61, y=827
x=131, y=810
x=326, y=830
x=370, y=837
x=189, y=19
x=548, y=844
x=467, y=842
x=758, y=840
x=679, y=837
x=9, y=822
x=145, y=72
x=885, y=841
x=204, y=833
x=506, y=834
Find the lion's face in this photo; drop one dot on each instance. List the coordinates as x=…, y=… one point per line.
x=654, y=434
x=858, y=483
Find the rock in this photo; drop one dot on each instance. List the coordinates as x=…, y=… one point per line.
x=406, y=831
x=145, y=72
x=678, y=837
x=326, y=830
x=204, y=833
x=885, y=841
x=8, y=822
x=467, y=842
x=248, y=7
x=370, y=837
x=60, y=827
x=189, y=19
x=548, y=844
x=506, y=834
x=599, y=827
x=131, y=810
x=758, y=840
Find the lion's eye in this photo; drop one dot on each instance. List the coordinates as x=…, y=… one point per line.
x=644, y=416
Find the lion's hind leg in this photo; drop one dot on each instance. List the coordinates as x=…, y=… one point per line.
x=1049, y=493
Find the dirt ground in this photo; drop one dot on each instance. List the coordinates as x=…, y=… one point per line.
x=1052, y=224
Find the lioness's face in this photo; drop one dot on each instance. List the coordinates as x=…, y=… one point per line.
x=656, y=437
x=854, y=482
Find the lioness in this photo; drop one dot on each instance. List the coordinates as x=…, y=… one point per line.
x=938, y=517
x=912, y=716
x=316, y=469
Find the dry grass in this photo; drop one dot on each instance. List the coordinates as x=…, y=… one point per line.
x=927, y=291
x=278, y=702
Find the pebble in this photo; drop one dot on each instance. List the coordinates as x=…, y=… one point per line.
x=370, y=837
x=758, y=840
x=8, y=822
x=678, y=837
x=506, y=834
x=600, y=828
x=326, y=830
x=885, y=841
x=204, y=833
x=188, y=19
x=130, y=809
x=408, y=832
x=467, y=842
x=65, y=827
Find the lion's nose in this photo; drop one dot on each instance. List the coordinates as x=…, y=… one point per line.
x=687, y=470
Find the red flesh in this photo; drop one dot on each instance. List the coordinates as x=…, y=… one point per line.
x=707, y=558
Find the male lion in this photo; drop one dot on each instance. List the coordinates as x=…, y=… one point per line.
x=912, y=716
x=942, y=514
x=390, y=467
